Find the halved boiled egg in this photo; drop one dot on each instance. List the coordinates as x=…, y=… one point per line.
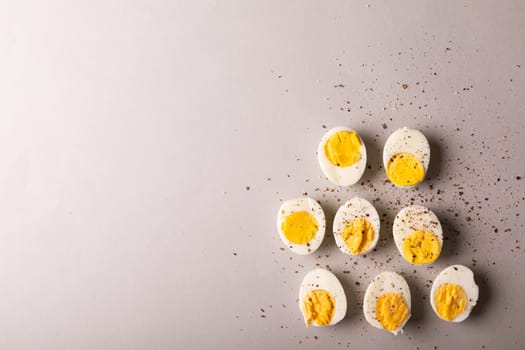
x=406, y=157
x=454, y=293
x=301, y=225
x=322, y=299
x=356, y=226
x=342, y=156
x=418, y=235
x=387, y=302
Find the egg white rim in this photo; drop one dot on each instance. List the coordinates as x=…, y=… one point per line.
x=326, y=280
x=418, y=146
x=385, y=281
x=401, y=230
x=455, y=274
x=302, y=204
x=346, y=176
x=348, y=212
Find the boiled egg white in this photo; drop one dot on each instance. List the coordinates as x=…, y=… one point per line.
x=387, y=302
x=342, y=156
x=454, y=293
x=356, y=226
x=301, y=225
x=406, y=157
x=322, y=299
x=418, y=234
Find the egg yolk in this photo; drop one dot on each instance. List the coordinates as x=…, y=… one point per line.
x=405, y=169
x=318, y=307
x=391, y=311
x=343, y=148
x=450, y=300
x=421, y=247
x=357, y=235
x=299, y=227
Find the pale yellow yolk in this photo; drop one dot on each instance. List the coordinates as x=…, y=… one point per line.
x=299, y=227
x=343, y=148
x=318, y=307
x=451, y=301
x=391, y=311
x=358, y=234
x=405, y=169
x=421, y=247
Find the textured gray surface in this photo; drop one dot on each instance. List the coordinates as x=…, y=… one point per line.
x=130, y=132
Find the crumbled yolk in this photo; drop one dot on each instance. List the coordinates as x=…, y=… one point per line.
x=405, y=169
x=343, y=148
x=450, y=300
x=299, y=227
x=421, y=247
x=318, y=307
x=357, y=235
x=391, y=311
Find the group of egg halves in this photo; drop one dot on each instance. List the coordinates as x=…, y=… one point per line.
x=417, y=234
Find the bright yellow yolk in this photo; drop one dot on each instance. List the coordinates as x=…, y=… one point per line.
x=450, y=300
x=358, y=234
x=391, y=311
x=299, y=227
x=421, y=247
x=343, y=148
x=318, y=307
x=405, y=169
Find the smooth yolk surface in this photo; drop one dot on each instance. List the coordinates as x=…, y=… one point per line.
x=358, y=234
x=405, y=169
x=450, y=300
x=391, y=311
x=299, y=227
x=318, y=307
x=421, y=247
x=343, y=148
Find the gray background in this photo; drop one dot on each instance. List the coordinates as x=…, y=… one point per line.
x=130, y=132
